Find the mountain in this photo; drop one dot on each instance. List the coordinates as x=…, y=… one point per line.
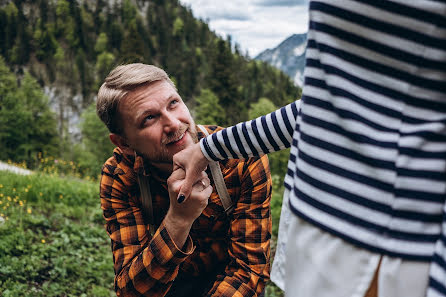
x=288, y=56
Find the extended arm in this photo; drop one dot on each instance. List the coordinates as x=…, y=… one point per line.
x=265, y=134
x=270, y=133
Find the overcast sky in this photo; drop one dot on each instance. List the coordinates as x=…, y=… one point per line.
x=254, y=24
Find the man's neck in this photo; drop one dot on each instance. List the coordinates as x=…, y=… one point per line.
x=162, y=169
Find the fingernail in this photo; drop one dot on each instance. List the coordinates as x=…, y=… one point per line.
x=181, y=198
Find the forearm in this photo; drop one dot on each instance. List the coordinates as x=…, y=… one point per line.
x=265, y=134
x=177, y=229
x=152, y=270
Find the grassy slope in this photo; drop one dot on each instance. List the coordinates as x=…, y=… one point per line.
x=52, y=239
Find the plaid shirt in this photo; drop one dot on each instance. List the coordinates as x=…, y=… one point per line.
x=233, y=252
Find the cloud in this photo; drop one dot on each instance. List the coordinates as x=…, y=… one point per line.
x=280, y=2
x=216, y=10
x=254, y=24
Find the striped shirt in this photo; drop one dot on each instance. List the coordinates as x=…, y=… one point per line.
x=368, y=141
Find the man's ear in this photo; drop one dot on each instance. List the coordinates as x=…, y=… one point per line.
x=121, y=142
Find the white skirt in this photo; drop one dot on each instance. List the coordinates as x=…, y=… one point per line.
x=312, y=262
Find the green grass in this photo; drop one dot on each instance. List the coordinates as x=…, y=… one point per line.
x=53, y=242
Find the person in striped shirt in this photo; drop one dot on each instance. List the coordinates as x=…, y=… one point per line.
x=366, y=177
x=196, y=247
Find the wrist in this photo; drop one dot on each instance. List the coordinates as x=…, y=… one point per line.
x=178, y=221
x=177, y=227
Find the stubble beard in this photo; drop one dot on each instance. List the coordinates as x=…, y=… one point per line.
x=163, y=155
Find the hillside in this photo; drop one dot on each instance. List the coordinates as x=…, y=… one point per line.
x=70, y=46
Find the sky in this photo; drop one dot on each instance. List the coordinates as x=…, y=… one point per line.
x=255, y=25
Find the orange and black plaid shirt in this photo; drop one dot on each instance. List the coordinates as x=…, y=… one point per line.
x=233, y=252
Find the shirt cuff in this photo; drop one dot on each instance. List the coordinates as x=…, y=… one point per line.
x=166, y=251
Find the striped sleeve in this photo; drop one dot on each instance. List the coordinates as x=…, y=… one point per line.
x=265, y=134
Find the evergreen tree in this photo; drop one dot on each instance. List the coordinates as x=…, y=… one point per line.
x=132, y=49
x=261, y=107
x=27, y=125
x=3, y=32
x=96, y=146
x=223, y=83
x=208, y=110
x=70, y=46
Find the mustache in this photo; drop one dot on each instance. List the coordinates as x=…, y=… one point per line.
x=174, y=136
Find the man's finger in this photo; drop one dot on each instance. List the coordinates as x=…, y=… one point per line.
x=186, y=189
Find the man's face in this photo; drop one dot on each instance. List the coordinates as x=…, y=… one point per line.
x=156, y=122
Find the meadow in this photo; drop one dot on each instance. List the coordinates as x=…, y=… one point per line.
x=52, y=239
x=52, y=236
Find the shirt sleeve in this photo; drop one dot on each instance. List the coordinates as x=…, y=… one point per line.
x=437, y=273
x=144, y=266
x=250, y=234
x=269, y=133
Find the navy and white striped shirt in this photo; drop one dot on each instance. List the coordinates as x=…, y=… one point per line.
x=368, y=141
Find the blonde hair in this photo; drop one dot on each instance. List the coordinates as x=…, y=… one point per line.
x=119, y=82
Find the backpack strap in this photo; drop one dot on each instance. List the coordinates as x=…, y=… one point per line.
x=146, y=197
x=219, y=182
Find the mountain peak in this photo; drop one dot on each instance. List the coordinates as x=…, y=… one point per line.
x=288, y=56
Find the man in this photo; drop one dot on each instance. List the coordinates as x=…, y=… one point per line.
x=196, y=249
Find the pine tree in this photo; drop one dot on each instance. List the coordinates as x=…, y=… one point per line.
x=208, y=110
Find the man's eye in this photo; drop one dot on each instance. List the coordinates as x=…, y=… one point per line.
x=173, y=102
x=148, y=118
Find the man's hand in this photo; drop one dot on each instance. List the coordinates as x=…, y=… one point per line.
x=193, y=162
x=180, y=216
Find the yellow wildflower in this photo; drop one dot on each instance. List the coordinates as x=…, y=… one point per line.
x=43, y=241
x=29, y=210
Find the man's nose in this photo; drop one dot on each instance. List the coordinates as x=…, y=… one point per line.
x=170, y=123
